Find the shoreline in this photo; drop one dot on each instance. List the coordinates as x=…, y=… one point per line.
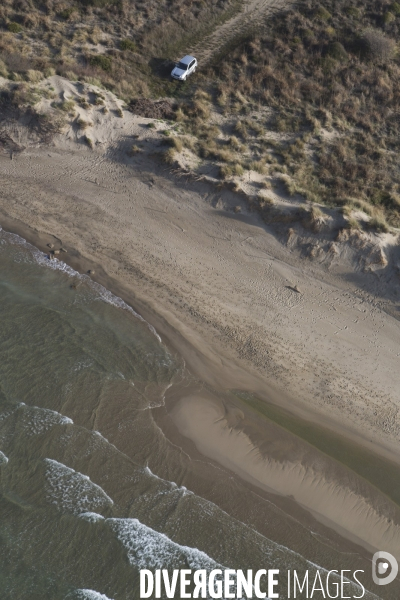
x=82, y=264
x=216, y=370
x=81, y=223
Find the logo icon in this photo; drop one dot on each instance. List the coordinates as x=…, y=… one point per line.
x=384, y=568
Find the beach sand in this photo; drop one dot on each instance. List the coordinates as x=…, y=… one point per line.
x=220, y=288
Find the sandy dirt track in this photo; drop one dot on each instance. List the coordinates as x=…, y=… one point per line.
x=253, y=13
x=221, y=281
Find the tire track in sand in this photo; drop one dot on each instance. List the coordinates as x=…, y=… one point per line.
x=252, y=15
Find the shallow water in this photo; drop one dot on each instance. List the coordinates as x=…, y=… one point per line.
x=88, y=493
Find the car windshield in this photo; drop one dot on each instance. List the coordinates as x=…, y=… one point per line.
x=182, y=66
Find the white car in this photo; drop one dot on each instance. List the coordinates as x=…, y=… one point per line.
x=185, y=67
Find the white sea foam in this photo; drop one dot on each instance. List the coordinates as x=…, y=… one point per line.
x=92, y=517
x=86, y=595
x=3, y=459
x=72, y=491
x=148, y=471
x=95, y=432
x=58, y=265
x=172, y=486
x=39, y=420
x=149, y=549
x=80, y=365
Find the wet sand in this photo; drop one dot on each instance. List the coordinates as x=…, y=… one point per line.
x=278, y=463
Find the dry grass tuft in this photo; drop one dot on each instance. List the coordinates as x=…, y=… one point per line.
x=176, y=143
x=82, y=124
x=353, y=224
x=66, y=106
x=227, y=171
x=169, y=156
x=379, y=224
x=34, y=76
x=134, y=150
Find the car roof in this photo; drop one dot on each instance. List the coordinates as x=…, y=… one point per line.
x=187, y=59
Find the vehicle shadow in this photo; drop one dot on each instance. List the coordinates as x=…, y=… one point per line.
x=161, y=67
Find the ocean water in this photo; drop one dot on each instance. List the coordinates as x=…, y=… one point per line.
x=91, y=491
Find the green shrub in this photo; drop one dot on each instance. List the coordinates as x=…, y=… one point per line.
x=14, y=27
x=388, y=17
x=395, y=8
x=128, y=45
x=101, y=61
x=323, y=14
x=308, y=35
x=66, y=13
x=336, y=50
x=352, y=11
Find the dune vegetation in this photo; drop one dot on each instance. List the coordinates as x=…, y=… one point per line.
x=120, y=44
x=308, y=100
x=330, y=74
